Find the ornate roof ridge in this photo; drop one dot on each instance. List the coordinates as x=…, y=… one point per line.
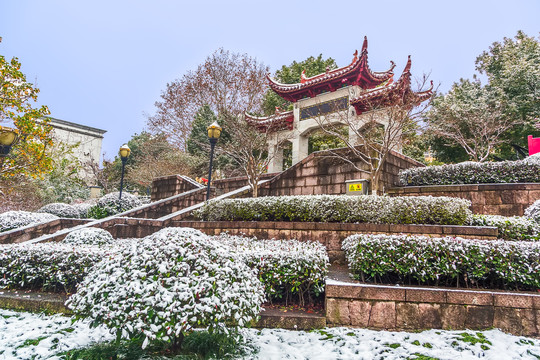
x=333, y=79
x=398, y=91
x=277, y=121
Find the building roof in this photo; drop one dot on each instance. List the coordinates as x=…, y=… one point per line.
x=281, y=120
x=74, y=127
x=356, y=73
x=391, y=93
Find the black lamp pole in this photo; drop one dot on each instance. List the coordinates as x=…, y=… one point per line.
x=122, y=181
x=213, y=142
x=124, y=154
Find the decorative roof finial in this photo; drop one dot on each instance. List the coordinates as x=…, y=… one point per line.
x=355, y=58
x=364, y=45
x=408, y=66
x=303, y=77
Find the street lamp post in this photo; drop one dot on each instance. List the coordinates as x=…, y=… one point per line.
x=214, y=131
x=8, y=136
x=124, y=154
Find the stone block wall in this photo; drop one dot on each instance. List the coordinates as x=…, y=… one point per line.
x=167, y=186
x=402, y=308
x=226, y=185
x=319, y=173
x=495, y=199
x=330, y=235
x=31, y=232
x=167, y=206
x=322, y=173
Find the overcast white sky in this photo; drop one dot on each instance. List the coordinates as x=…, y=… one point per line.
x=103, y=63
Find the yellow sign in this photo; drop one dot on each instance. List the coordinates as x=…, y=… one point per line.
x=355, y=187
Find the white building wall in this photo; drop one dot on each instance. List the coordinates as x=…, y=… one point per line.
x=85, y=141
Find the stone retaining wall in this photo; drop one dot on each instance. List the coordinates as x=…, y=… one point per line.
x=167, y=186
x=33, y=231
x=165, y=207
x=331, y=234
x=322, y=173
x=319, y=173
x=402, y=308
x=495, y=199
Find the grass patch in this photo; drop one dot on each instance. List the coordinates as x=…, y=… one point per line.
x=199, y=345
x=327, y=335
x=31, y=342
x=474, y=339
x=418, y=356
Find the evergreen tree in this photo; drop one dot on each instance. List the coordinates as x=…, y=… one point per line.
x=292, y=74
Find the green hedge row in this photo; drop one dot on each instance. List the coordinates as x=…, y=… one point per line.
x=341, y=208
x=495, y=264
x=521, y=171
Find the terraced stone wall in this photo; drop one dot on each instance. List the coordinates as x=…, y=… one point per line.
x=495, y=199
x=405, y=308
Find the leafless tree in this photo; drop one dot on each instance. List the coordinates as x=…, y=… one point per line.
x=373, y=134
x=249, y=148
x=228, y=82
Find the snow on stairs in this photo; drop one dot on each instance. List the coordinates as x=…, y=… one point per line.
x=136, y=217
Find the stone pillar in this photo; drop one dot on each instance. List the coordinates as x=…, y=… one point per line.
x=275, y=154
x=354, y=139
x=299, y=148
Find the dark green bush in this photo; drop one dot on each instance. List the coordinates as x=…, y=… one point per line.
x=444, y=261
x=340, y=208
x=521, y=171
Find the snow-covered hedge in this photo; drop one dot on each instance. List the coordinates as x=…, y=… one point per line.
x=16, y=219
x=521, y=171
x=444, y=261
x=110, y=204
x=510, y=227
x=289, y=269
x=168, y=283
x=60, y=210
x=82, y=209
x=55, y=267
x=89, y=236
x=533, y=211
x=341, y=208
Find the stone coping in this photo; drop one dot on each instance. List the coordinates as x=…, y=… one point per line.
x=442, y=230
x=463, y=187
x=440, y=295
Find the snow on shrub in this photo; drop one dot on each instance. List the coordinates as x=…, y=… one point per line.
x=289, y=269
x=60, y=209
x=521, y=171
x=166, y=284
x=89, y=236
x=82, y=209
x=16, y=219
x=110, y=204
x=341, y=208
x=533, y=211
x=510, y=227
x=46, y=266
x=444, y=261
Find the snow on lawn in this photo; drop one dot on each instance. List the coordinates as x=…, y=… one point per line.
x=26, y=335
x=346, y=343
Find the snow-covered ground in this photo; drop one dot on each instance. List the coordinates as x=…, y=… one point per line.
x=27, y=336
